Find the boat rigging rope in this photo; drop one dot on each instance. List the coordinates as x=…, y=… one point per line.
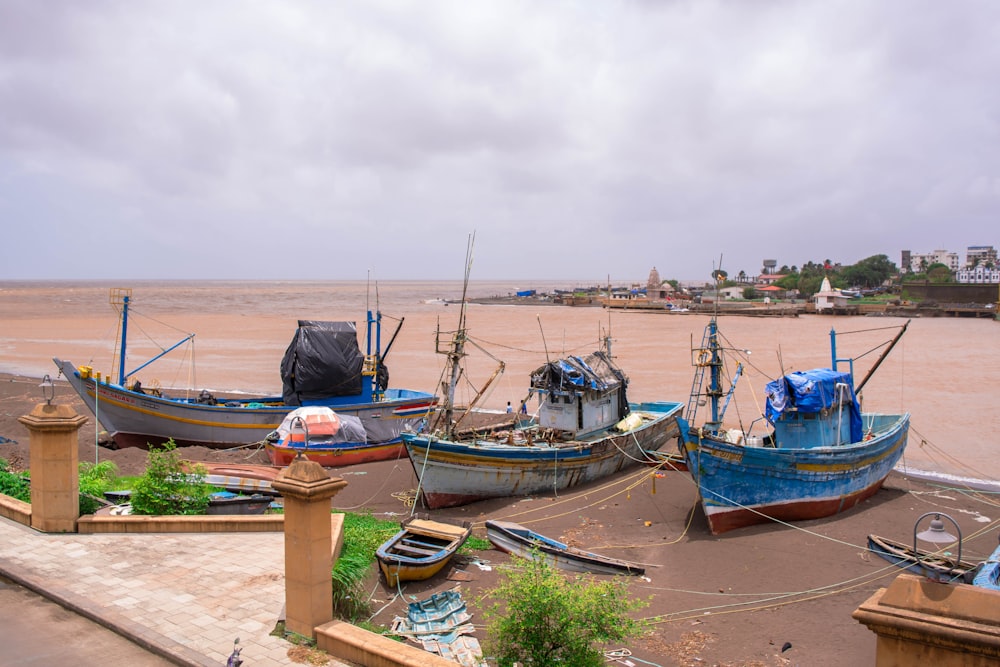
x=634, y=480
x=399, y=495
x=775, y=600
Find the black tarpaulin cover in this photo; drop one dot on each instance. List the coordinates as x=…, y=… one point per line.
x=322, y=361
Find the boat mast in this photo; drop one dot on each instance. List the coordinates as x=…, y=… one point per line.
x=121, y=296
x=456, y=351
x=878, y=363
x=715, y=378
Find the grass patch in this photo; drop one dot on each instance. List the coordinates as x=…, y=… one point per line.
x=363, y=535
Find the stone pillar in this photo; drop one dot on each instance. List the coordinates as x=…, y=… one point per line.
x=307, y=491
x=55, y=481
x=923, y=622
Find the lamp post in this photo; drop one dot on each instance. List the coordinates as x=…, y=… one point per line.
x=936, y=534
x=48, y=389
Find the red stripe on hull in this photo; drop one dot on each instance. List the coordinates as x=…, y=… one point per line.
x=436, y=501
x=282, y=457
x=731, y=519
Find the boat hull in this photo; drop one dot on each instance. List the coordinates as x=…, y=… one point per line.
x=519, y=541
x=933, y=566
x=236, y=477
x=744, y=485
x=420, y=549
x=336, y=456
x=136, y=419
x=454, y=473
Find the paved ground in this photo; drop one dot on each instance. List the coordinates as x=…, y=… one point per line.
x=29, y=623
x=184, y=597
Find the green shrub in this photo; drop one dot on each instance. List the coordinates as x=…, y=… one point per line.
x=363, y=535
x=14, y=484
x=166, y=489
x=540, y=618
x=95, y=479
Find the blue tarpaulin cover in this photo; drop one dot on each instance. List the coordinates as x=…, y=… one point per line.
x=812, y=391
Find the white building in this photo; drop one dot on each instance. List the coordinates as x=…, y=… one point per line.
x=732, y=293
x=979, y=274
x=827, y=298
x=920, y=261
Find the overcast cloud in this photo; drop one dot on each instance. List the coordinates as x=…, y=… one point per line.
x=578, y=140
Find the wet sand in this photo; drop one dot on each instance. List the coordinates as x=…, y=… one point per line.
x=734, y=599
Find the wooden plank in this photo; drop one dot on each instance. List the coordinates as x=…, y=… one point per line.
x=404, y=548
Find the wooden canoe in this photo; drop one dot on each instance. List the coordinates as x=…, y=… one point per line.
x=421, y=548
x=517, y=540
x=936, y=566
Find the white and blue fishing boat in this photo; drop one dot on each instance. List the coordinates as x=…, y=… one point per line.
x=822, y=455
x=936, y=565
x=322, y=366
x=583, y=429
x=519, y=541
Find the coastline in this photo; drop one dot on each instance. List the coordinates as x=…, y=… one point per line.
x=731, y=599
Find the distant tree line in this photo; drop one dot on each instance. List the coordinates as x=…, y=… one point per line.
x=870, y=273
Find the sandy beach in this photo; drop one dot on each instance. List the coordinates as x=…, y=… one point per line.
x=735, y=599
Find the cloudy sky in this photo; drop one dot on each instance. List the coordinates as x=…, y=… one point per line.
x=290, y=139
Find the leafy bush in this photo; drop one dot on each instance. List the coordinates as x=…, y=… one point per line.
x=14, y=484
x=95, y=479
x=547, y=621
x=165, y=488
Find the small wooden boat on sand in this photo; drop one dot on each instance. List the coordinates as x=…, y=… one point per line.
x=936, y=566
x=421, y=548
x=517, y=540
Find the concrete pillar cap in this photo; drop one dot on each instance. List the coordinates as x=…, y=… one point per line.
x=307, y=480
x=46, y=416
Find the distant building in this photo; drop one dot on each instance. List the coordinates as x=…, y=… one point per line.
x=919, y=261
x=731, y=293
x=769, y=279
x=656, y=289
x=979, y=275
x=980, y=254
x=828, y=298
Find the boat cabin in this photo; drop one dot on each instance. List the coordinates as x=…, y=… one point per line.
x=580, y=395
x=815, y=408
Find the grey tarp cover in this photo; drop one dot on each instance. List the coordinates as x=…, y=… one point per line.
x=322, y=361
x=594, y=372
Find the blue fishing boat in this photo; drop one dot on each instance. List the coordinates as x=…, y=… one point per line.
x=322, y=366
x=822, y=455
x=988, y=574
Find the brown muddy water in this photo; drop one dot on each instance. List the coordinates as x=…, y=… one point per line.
x=945, y=371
